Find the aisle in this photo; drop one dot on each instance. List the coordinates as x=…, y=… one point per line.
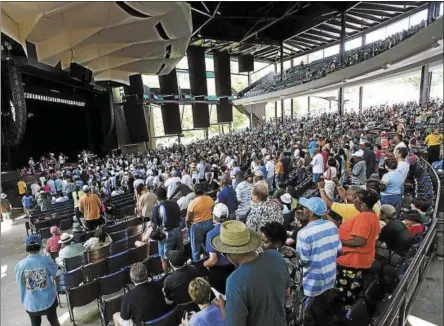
x=12, y=312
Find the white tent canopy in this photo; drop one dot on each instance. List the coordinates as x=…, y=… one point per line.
x=111, y=41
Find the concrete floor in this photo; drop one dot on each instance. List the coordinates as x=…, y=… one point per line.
x=428, y=305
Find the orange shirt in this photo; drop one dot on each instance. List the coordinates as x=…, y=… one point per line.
x=278, y=168
x=201, y=208
x=365, y=225
x=89, y=205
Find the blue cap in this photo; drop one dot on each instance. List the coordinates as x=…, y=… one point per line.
x=315, y=204
x=33, y=239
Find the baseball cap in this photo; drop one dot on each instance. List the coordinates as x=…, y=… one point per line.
x=388, y=210
x=220, y=210
x=176, y=257
x=85, y=188
x=286, y=198
x=359, y=153
x=33, y=239
x=315, y=204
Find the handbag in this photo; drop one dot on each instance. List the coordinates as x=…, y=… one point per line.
x=158, y=234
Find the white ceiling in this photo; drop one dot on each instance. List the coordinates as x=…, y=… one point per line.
x=101, y=35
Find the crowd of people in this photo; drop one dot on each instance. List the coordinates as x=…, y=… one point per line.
x=277, y=258
x=304, y=72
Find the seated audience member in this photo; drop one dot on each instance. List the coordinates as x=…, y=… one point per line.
x=220, y=267
x=358, y=236
x=329, y=175
x=251, y=300
x=99, y=240
x=280, y=190
x=176, y=283
x=145, y=202
x=422, y=205
x=393, y=181
x=273, y=236
x=227, y=196
x=292, y=192
x=414, y=222
x=301, y=222
x=287, y=211
x=70, y=249
x=262, y=210
x=141, y=304
x=317, y=247
x=52, y=244
x=209, y=314
x=394, y=234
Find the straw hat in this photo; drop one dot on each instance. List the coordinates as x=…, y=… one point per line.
x=236, y=238
x=65, y=237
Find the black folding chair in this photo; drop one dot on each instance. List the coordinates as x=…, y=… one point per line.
x=81, y=296
x=153, y=248
x=119, y=235
x=66, y=224
x=113, y=283
x=117, y=262
x=89, y=235
x=132, y=240
x=74, y=262
x=45, y=233
x=79, y=237
x=97, y=255
x=94, y=271
x=133, y=230
x=68, y=280
x=108, y=307
x=358, y=314
x=170, y=318
x=119, y=246
x=153, y=265
x=137, y=255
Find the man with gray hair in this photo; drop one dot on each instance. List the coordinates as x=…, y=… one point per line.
x=143, y=303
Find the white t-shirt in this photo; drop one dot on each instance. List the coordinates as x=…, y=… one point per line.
x=403, y=168
x=171, y=185
x=186, y=180
x=401, y=144
x=270, y=169
x=318, y=163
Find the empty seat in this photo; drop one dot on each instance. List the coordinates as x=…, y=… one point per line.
x=79, y=237
x=68, y=280
x=74, y=262
x=81, y=296
x=66, y=224
x=94, y=271
x=119, y=235
x=153, y=265
x=45, y=233
x=108, y=307
x=119, y=246
x=97, y=255
x=133, y=230
x=137, y=255
x=114, y=282
x=117, y=262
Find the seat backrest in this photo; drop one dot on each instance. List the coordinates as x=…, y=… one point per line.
x=117, y=262
x=45, y=233
x=187, y=307
x=79, y=237
x=153, y=265
x=132, y=240
x=89, y=235
x=132, y=222
x=68, y=280
x=66, y=224
x=119, y=235
x=358, y=315
x=84, y=294
x=153, y=248
x=94, y=271
x=113, y=282
x=133, y=230
x=113, y=228
x=97, y=255
x=373, y=293
x=74, y=262
x=119, y=246
x=54, y=255
x=111, y=306
x=170, y=318
x=137, y=255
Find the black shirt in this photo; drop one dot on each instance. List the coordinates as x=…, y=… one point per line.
x=181, y=191
x=144, y=303
x=285, y=164
x=370, y=161
x=176, y=284
x=171, y=217
x=396, y=236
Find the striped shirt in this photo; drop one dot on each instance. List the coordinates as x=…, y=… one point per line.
x=243, y=194
x=317, y=246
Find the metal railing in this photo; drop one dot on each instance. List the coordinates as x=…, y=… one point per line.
x=402, y=299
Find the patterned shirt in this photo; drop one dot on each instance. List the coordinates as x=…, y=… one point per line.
x=263, y=213
x=317, y=246
x=243, y=194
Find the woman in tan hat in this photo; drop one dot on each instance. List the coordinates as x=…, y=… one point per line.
x=250, y=299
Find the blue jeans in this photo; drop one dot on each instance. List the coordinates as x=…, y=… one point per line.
x=394, y=200
x=197, y=237
x=316, y=177
x=173, y=241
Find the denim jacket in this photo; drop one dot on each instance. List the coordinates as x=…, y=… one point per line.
x=34, y=276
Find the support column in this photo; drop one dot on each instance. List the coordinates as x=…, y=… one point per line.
x=341, y=101
x=308, y=105
x=361, y=92
x=275, y=110
x=249, y=78
x=291, y=101
x=282, y=77
x=251, y=119
x=206, y=133
x=424, y=91
x=342, y=41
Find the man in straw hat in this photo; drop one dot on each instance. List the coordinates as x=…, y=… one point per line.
x=251, y=300
x=70, y=248
x=317, y=246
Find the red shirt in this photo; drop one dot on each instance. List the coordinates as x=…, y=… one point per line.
x=53, y=245
x=415, y=229
x=325, y=157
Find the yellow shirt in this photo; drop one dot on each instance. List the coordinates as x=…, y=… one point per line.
x=348, y=211
x=201, y=208
x=21, y=187
x=433, y=140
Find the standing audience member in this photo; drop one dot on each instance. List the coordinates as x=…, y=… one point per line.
x=27, y=202
x=76, y=195
x=227, y=196
x=359, y=171
x=243, y=193
x=269, y=165
x=34, y=275
x=393, y=182
x=21, y=185
x=89, y=206
x=403, y=167
x=250, y=300
x=318, y=165
x=433, y=141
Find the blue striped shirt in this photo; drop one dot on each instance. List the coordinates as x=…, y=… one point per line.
x=317, y=246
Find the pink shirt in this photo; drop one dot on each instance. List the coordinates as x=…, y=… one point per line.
x=46, y=188
x=53, y=245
